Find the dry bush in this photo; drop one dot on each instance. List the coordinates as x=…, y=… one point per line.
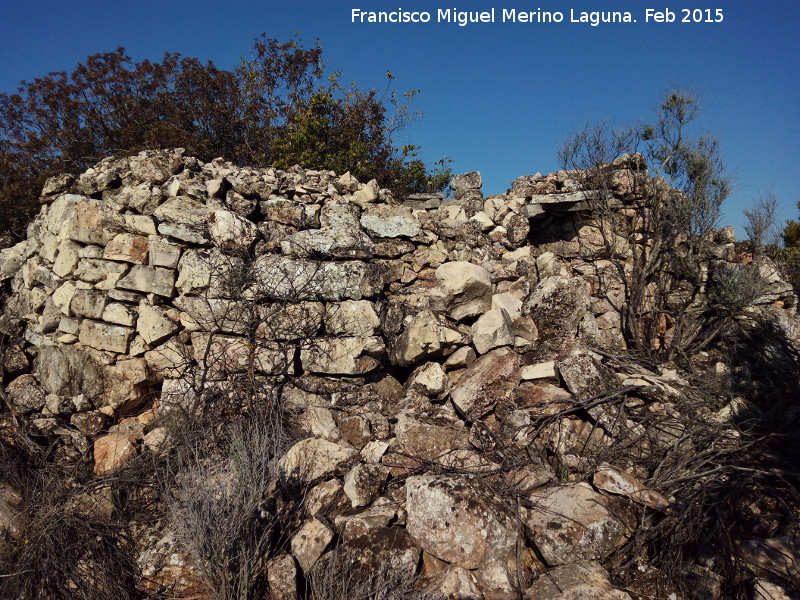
x=59, y=551
x=337, y=576
x=217, y=493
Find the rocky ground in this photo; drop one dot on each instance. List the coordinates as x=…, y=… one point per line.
x=229, y=382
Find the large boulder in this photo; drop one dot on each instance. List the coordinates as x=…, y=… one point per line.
x=489, y=380
x=455, y=519
x=313, y=459
x=464, y=290
x=584, y=580
x=427, y=335
x=573, y=522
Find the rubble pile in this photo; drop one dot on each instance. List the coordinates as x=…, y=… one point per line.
x=431, y=349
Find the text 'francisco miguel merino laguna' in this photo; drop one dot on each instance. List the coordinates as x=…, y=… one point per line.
x=512, y=15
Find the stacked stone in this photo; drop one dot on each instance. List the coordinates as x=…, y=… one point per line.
x=424, y=338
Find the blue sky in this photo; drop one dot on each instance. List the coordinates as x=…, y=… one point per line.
x=497, y=97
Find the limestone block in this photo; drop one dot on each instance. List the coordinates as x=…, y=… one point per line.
x=112, y=452
x=25, y=394
x=489, y=380
x=427, y=334
x=617, y=481
x=117, y=313
x=230, y=231
x=584, y=579
x=62, y=297
x=342, y=356
x=287, y=278
x=150, y=280
x=363, y=483
x=540, y=371
x=492, y=329
x=388, y=221
x=93, y=270
x=88, y=303
x=127, y=247
x=182, y=209
x=93, y=223
x=163, y=253
x=351, y=318
x=193, y=234
x=453, y=518
x=154, y=324
x=105, y=336
x=367, y=194
x=573, y=522
x=313, y=459
x=464, y=290
x=12, y=259
x=139, y=224
x=67, y=259
x=310, y=542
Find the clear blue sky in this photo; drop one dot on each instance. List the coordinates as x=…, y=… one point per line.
x=497, y=97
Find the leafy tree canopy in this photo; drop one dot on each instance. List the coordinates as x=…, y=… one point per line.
x=276, y=108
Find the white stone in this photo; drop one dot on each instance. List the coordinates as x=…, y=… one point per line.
x=67, y=260
x=231, y=231
x=313, y=459
x=351, y=318
x=389, y=221
x=154, y=325
x=544, y=370
x=492, y=330
x=464, y=290
x=120, y=314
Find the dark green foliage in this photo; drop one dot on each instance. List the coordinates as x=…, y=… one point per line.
x=276, y=108
x=791, y=233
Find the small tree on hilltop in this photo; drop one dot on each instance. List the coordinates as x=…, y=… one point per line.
x=677, y=184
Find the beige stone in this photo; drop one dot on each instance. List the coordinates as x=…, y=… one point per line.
x=119, y=314
x=182, y=209
x=163, y=253
x=127, y=247
x=573, y=522
x=387, y=221
x=154, y=324
x=313, y=459
x=363, y=483
x=492, y=330
x=616, y=481
x=230, y=231
x=489, y=380
x=94, y=270
x=93, y=223
x=67, y=259
x=105, y=336
x=88, y=303
x=464, y=290
x=150, y=280
x=342, y=356
x=112, y=452
x=540, y=371
x=455, y=519
x=139, y=224
x=310, y=542
x=351, y=318
x=427, y=334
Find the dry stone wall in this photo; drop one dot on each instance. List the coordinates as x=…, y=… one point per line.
x=423, y=338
